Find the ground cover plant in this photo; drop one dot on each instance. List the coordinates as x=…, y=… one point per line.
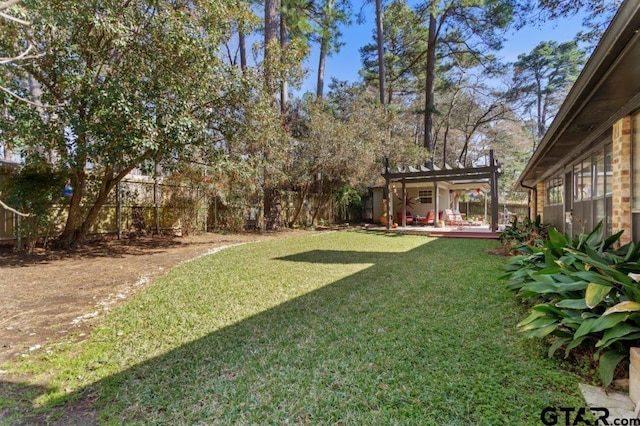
x=345, y=327
x=584, y=292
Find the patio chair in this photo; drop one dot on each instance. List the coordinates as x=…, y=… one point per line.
x=409, y=217
x=451, y=218
x=427, y=220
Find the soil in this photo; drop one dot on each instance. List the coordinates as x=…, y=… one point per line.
x=47, y=296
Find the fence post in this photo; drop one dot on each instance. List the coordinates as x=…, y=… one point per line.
x=119, y=209
x=156, y=197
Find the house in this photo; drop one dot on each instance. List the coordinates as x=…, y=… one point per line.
x=587, y=166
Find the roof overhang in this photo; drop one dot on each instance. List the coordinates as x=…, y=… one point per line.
x=607, y=89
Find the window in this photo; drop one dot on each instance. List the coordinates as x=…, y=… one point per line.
x=586, y=179
x=555, y=191
x=577, y=182
x=598, y=174
x=425, y=196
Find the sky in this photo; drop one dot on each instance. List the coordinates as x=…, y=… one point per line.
x=346, y=64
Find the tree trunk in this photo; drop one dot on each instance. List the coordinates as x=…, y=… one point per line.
x=242, y=44
x=429, y=106
x=301, y=195
x=284, y=86
x=380, y=41
x=273, y=208
x=270, y=40
x=77, y=227
x=93, y=213
x=321, y=64
x=74, y=217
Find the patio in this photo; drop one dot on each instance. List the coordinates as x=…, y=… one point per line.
x=432, y=196
x=448, y=231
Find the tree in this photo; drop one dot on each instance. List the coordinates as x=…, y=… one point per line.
x=543, y=77
x=328, y=16
x=464, y=33
x=404, y=44
x=341, y=140
x=598, y=14
x=131, y=82
x=380, y=44
x=270, y=43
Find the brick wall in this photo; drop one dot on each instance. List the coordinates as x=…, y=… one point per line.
x=621, y=159
x=540, y=199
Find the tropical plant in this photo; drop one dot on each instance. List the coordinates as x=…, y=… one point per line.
x=526, y=232
x=585, y=292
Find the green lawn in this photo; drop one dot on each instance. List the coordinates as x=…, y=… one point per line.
x=341, y=328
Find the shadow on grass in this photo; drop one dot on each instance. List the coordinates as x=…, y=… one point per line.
x=380, y=346
x=15, y=401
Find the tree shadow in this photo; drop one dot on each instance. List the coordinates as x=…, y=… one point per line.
x=16, y=400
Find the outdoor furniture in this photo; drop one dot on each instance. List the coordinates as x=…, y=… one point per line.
x=452, y=218
x=427, y=220
x=409, y=217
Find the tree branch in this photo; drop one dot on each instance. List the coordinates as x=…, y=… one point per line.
x=7, y=4
x=13, y=210
x=20, y=98
x=14, y=19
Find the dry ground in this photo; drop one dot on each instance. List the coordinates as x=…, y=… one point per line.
x=47, y=296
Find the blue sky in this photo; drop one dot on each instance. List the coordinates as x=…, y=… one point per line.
x=346, y=64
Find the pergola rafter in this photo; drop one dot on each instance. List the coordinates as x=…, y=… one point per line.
x=486, y=174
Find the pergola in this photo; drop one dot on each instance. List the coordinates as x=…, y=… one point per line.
x=470, y=175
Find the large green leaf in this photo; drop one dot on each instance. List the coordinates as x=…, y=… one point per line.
x=560, y=341
x=627, y=306
x=596, y=235
x=548, y=309
x=540, y=287
x=533, y=316
x=614, y=333
x=541, y=331
x=595, y=294
x=557, y=240
x=593, y=325
x=607, y=365
x=574, y=286
x=572, y=304
x=538, y=323
x=592, y=277
x=573, y=344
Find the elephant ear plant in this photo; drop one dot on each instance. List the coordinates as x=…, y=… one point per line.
x=584, y=292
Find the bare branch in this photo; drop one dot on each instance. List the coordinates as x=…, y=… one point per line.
x=14, y=19
x=20, y=98
x=7, y=4
x=13, y=210
x=23, y=55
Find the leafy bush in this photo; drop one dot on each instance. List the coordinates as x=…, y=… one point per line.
x=585, y=293
x=528, y=231
x=35, y=189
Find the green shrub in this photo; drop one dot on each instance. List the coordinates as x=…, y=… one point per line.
x=528, y=232
x=585, y=293
x=36, y=189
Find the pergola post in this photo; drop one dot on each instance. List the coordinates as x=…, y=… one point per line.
x=387, y=194
x=494, y=192
x=436, y=204
x=404, y=204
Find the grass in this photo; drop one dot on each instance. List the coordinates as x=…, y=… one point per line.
x=346, y=328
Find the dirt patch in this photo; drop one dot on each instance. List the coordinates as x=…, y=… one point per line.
x=48, y=296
